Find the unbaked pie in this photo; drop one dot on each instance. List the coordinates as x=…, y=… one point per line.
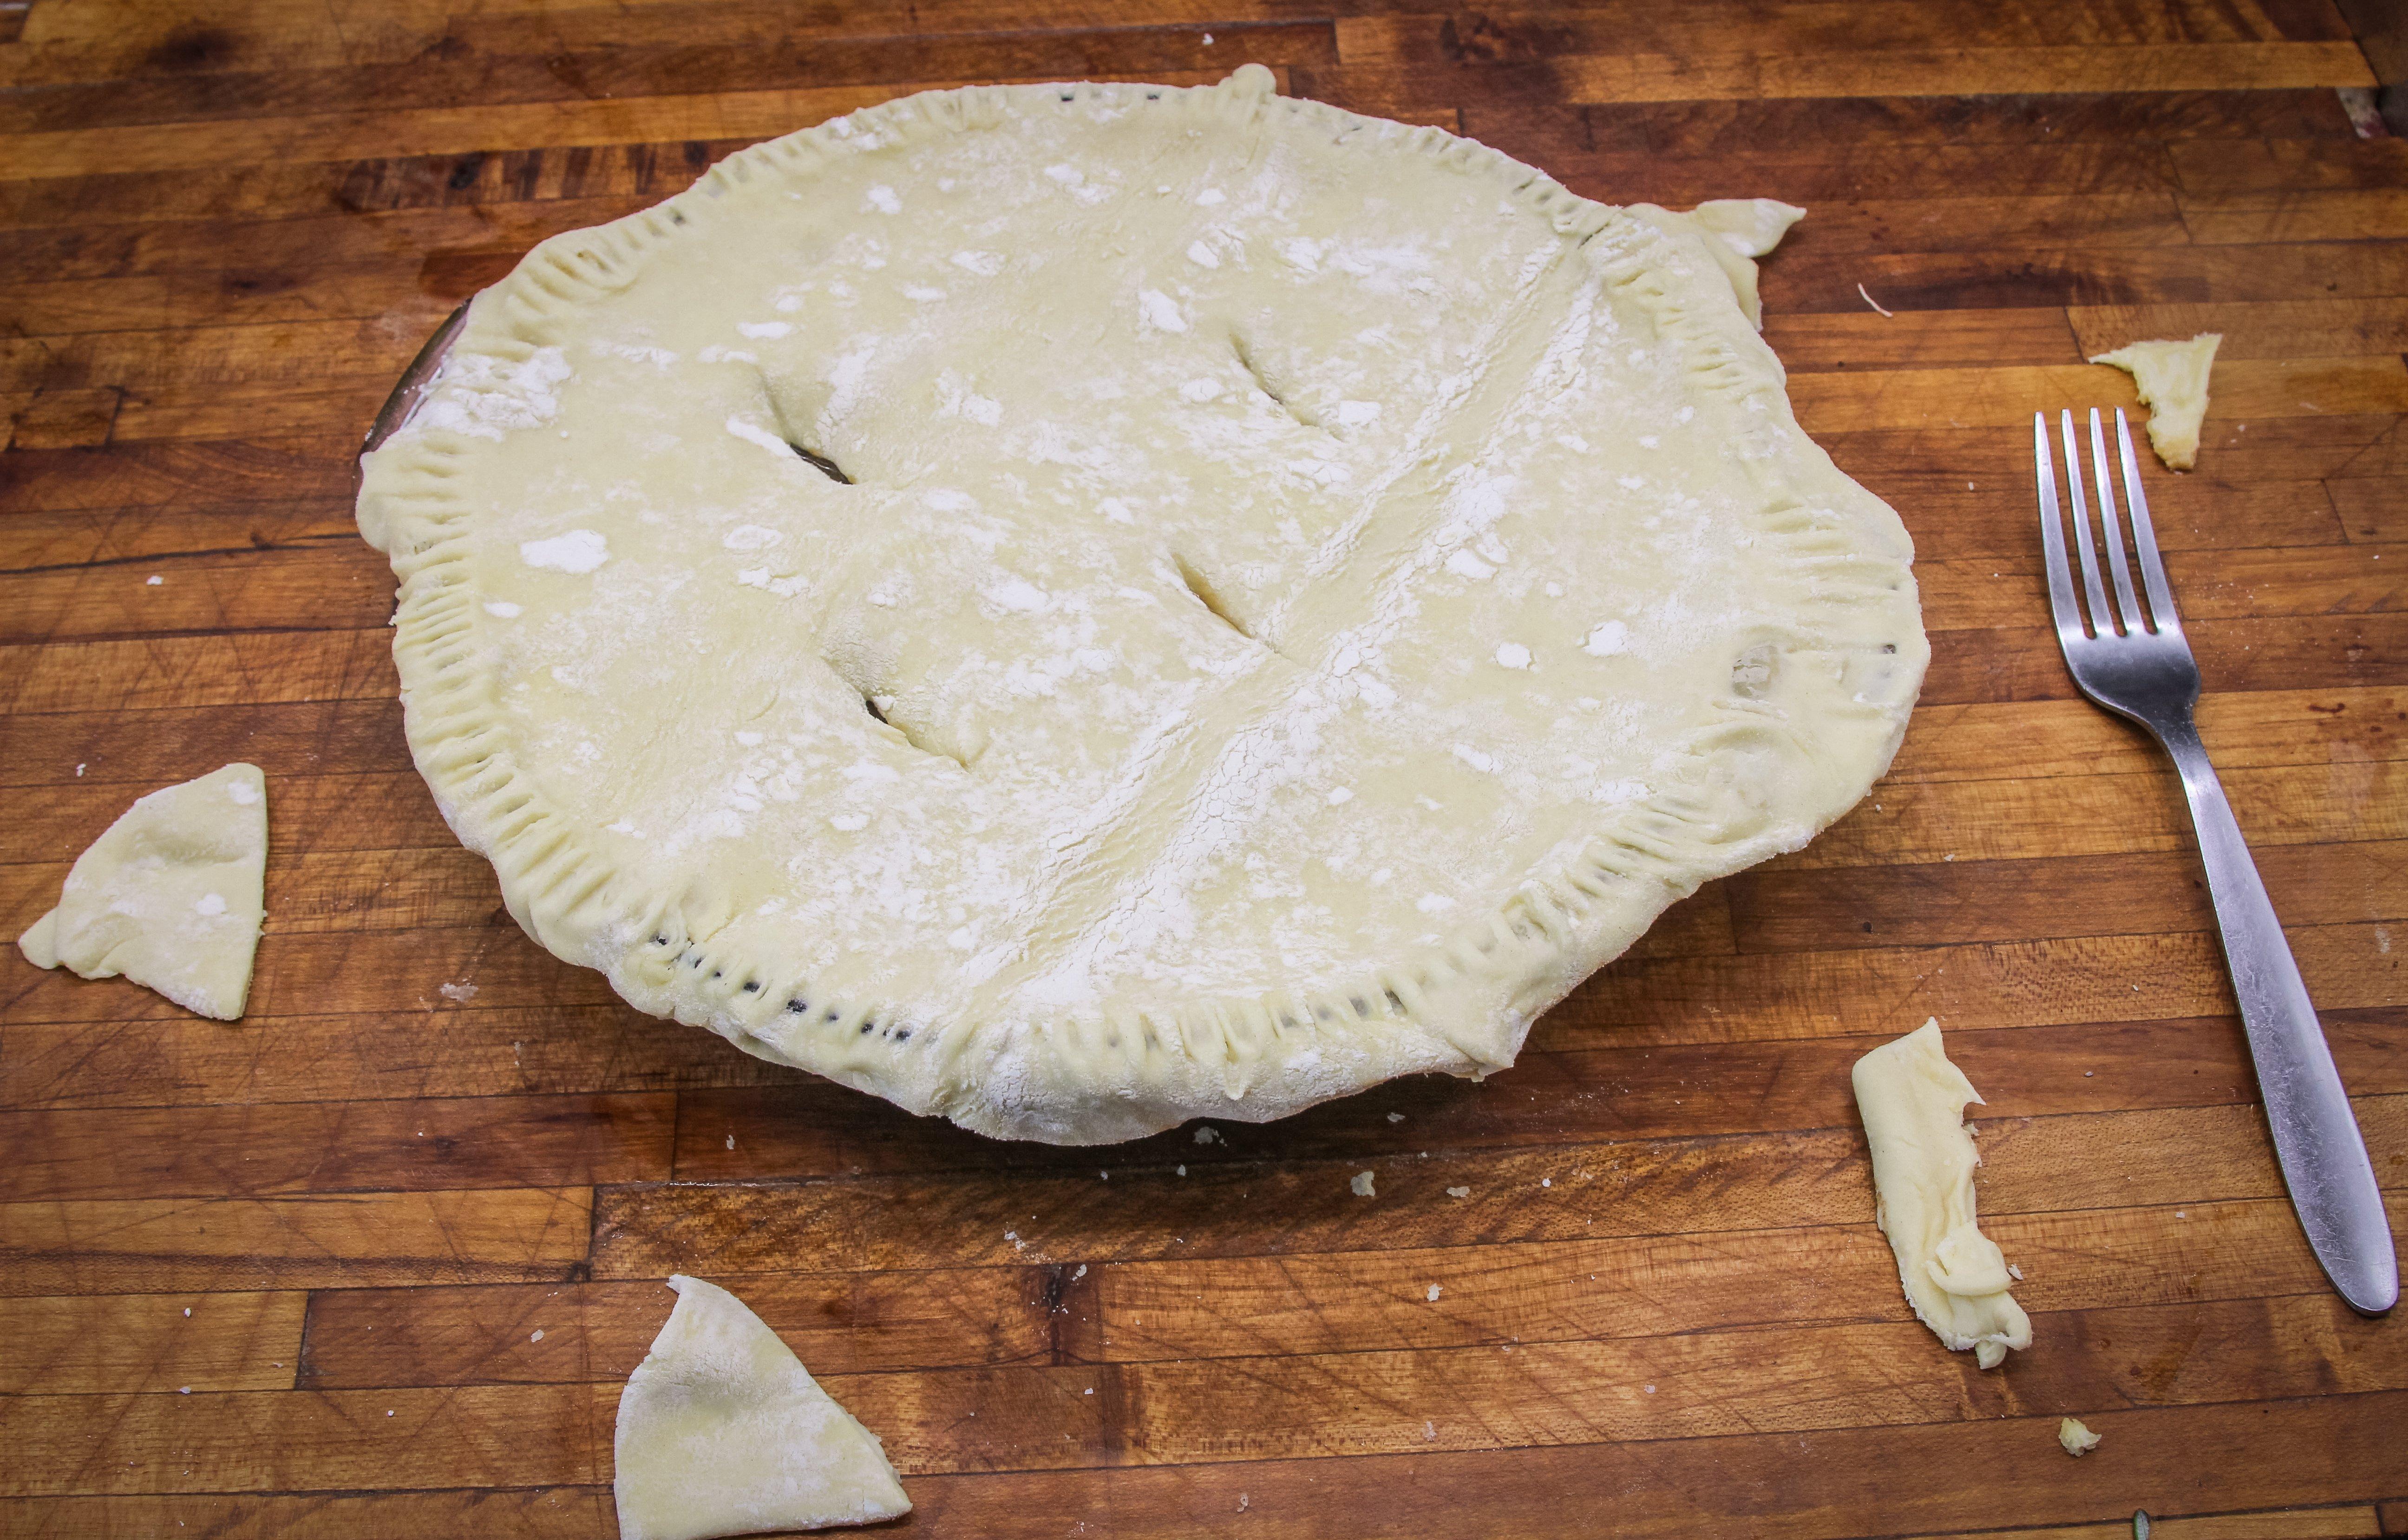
x=1076, y=608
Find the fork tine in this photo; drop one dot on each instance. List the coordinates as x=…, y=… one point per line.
x=2102, y=619
x=2145, y=534
x=2110, y=554
x=2052, y=539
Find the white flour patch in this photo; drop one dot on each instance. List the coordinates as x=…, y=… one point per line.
x=579, y=551
x=485, y=397
x=845, y=379
x=1160, y=311
x=762, y=437
x=1017, y=593
x=955, y=398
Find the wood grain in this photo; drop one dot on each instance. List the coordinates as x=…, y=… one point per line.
x=420, y=1202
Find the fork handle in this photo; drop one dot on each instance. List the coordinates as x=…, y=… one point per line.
x=2315, y=1135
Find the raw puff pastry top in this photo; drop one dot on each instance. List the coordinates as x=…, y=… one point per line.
x=1326, y=589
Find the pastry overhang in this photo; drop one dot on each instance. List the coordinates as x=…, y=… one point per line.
x=1076, y=608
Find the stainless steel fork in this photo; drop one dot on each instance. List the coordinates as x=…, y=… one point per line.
x=2137, y=663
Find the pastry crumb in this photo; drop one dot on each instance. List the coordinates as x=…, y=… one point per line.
x=2077, y=1440
x=1361, y=1185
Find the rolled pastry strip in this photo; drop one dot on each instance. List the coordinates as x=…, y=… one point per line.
x=1913, y=1100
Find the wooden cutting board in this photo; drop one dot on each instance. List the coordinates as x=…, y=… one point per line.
x=375, y=1260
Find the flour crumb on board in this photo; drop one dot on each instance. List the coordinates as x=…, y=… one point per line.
x=2076, y=1439
x=460, y=993
x=1435, y=1291
x=1458, y=1193
x=1361, y=1185
x=1205, y=1135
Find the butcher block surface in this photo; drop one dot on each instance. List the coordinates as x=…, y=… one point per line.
x=375, y=1260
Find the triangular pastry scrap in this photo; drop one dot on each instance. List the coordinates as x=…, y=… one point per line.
x=721, y=1431
x=1913, y=1100
x=171, y=896
x=2171, y=380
